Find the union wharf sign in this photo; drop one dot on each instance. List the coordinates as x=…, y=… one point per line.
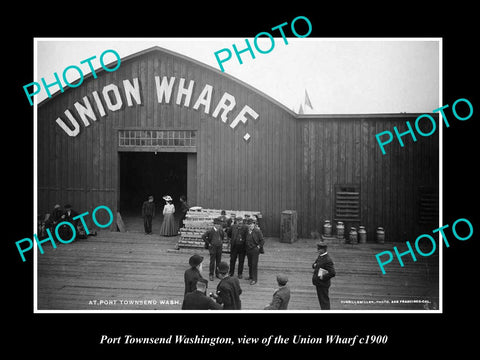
x=110, y=100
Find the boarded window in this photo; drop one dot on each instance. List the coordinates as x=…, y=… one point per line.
x=428, y=205
x=347, y=202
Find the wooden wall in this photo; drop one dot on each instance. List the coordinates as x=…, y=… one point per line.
x=343, y=150
x=290, y=162
x=231, y=173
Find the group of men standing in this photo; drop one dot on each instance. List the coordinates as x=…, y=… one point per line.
x=67, y=214
x=246, y=240
x=227, y=294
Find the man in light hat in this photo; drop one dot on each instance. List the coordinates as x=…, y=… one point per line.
x=198, y=300
x=194, y=273
x=148, y=212
x=228, y=289
x=323, y=271
x=213, y=239
x=281, y=296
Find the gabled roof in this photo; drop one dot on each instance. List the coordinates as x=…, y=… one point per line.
x=154, y=49
x=186, y=58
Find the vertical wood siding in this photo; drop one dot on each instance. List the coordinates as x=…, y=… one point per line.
x=290, y=163
x=231, y=173
x=344, y=151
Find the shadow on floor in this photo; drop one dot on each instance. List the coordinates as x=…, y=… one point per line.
x=134, y=222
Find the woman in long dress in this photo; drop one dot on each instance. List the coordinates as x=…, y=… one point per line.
x=169, y=227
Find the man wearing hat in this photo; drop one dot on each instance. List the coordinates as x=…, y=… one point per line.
x=54, y=217
x=254, y=245
x=148, y=212
x=213, y=239
x=198, y=300
x=226, y=221
x=281, y=296
x=183, y=211
x=228, y=289
x=237, y=233
x=194, y=273
x=323, y=271
x=68, y=215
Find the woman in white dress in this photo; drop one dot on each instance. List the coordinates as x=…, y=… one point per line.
x=169, y=227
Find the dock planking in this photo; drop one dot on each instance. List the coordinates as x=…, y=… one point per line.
x=133, y=271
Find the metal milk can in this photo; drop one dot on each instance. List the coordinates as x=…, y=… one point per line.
x=362, y=235
x=327, y=228
x=353, y=236
x=380, y=235
x=340, y=230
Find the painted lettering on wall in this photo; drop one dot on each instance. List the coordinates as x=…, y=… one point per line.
x=247, y=48
x=169, y=90
x=67, y=73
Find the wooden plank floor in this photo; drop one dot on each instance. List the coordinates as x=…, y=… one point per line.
x=115, y=269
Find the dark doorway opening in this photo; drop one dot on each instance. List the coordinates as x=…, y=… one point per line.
x=147, y=173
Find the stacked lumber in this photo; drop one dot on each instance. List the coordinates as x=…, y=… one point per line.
x=199, y=220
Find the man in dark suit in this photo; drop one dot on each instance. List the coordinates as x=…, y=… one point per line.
x=198, y=300
x=228, y=289
x=281, y=296
x=254, y=244
x=237, y=233
x=213, y=239
x=226, y=221
x=65, y=231
x=148, y=212
x=69, y=214
x=323, y=271
x=193, y=274
x=54, y=218
x=183, y=211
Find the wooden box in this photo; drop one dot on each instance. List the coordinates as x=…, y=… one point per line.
x=288, y=226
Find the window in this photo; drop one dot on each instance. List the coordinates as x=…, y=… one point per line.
x=428, y=205
x=347, y=202
x=147, y=138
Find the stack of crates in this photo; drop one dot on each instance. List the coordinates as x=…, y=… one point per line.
x=199, y=220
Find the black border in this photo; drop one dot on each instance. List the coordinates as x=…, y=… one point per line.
x=60, y=335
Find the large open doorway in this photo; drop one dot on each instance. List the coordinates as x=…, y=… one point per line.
x=148, y=173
